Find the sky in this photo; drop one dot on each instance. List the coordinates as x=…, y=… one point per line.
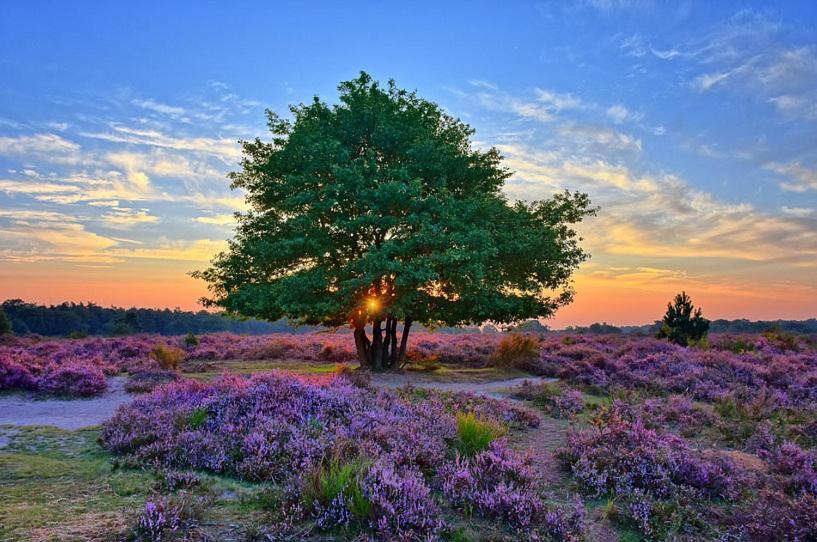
x=692, y=125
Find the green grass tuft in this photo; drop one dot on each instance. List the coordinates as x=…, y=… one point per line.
x=475, y=434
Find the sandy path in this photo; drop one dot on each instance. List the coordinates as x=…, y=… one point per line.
x=19, y=409
x=494, y=388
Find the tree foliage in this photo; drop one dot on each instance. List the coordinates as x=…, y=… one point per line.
x=378, y=209
x=683, y=324
x=79, y=319
x=5, y=322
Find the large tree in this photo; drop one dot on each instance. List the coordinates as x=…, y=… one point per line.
x=379, y=210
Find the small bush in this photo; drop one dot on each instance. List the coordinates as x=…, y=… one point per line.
x=776, y=516
x=335, y=354
x=475, y=434
x=423, y=364
x=516, y=351
x=163, y=520
x=683, y=324
x=359, y=377
x=169, y=358
x=147, y=381
x=552, y=398
x=190, y=340
x=171, y=480
x=14, y=375
x=784, y=340
x=73, y=379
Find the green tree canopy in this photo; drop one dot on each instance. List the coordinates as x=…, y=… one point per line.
x=378, y=209
x=5, y=322
x=683, y=324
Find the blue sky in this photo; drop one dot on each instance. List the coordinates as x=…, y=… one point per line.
x=692, y=124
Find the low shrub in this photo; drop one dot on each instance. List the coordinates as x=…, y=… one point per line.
x=657, y=477
x=516, y=351
x=147, y=381
x=796, y=466
x=73, y=379
x=422, y=364
x=14, y=375
x=553, y=398
x=190, y=340
x=164, y=520
x=172, y=480
x=271, y=427
x=168, y=358
x=360, y=377
x=499, y=483
x=335, y=354
x=502, y=411
x=776, y=516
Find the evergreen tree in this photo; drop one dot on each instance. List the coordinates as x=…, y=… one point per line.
x=683, y=324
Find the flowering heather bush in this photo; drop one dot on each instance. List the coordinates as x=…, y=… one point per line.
x=607, y=363
x=500, y=483
x=678, y=412
x=272, y=426
x=555, y=399
x=503, y=411
x=776, y=516
x=798, y=467
x=654, y=475
x=15, y=375
x=146, y=381
x=162, y=520
x=300, y=433
x=73, y=379
x=624, y=456
x=401, y=503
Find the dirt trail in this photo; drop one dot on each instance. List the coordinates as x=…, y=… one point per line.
x=21, y=409
x=494, y=388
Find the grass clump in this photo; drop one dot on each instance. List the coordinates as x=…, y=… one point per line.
x=475, y=434
x=197, y=418
x=338, y=480
x=516, y=351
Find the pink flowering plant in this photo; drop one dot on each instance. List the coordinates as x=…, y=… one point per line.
x=358, y=459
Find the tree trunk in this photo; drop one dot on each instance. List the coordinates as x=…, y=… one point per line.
x=393, y=354
x=381, y=353
x=362, y=344
x=376, y=350
x=384, y=356
x=404, y=342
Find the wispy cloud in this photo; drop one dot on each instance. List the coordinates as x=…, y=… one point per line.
x=650, y=216
x=218, y=220
x=797, y=177
x=620, y=114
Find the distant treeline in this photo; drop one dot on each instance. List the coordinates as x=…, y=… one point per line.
x=89, y=319
x=716, y=326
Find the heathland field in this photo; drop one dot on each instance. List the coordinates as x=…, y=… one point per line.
x=479, y=437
